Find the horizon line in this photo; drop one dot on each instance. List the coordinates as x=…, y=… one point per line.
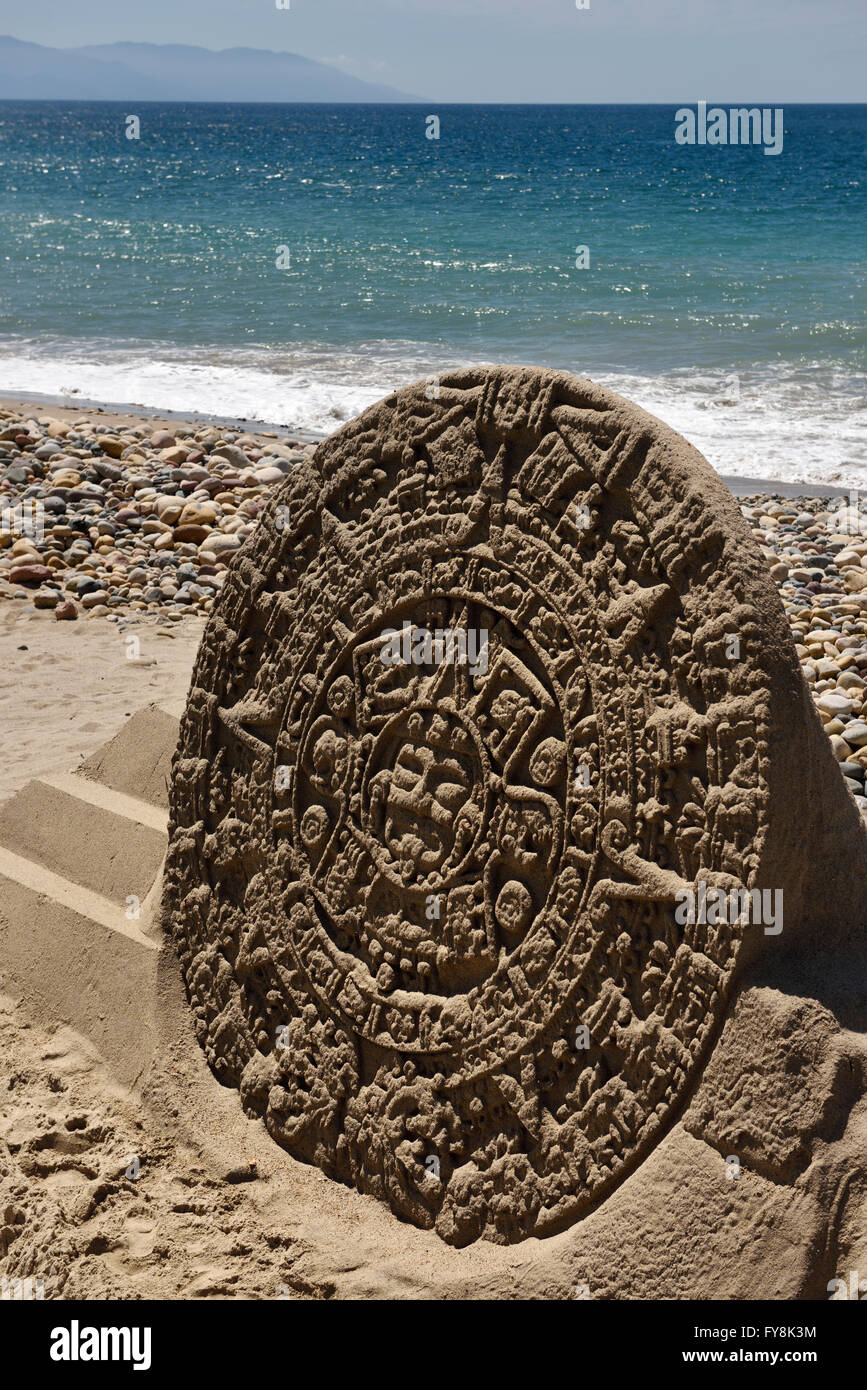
x=415, y=101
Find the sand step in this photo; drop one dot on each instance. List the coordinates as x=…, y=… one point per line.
x=144, y=812
x=138, y=760
x=81, y=857
x=88, y=834
x=66, y=960
x=60, y=891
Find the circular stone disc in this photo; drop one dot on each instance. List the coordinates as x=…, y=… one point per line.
x=479, y=700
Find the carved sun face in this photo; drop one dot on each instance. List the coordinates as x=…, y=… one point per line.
x=427, y=805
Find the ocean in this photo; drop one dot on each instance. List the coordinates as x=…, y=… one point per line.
x=293, y=263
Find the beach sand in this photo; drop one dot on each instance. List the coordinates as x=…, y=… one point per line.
x=67, y=688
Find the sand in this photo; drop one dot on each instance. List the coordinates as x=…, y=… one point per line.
x=67, y=687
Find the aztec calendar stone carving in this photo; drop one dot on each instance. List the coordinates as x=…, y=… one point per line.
x=464, y=723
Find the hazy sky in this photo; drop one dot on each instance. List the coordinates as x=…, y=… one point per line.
x=763, y=51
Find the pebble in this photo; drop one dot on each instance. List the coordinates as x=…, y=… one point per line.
x=834, y=703
x=29, y=574
x=856, y=734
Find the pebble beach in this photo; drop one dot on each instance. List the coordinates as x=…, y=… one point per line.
x=134, y=521
x=816, y=549
x=111, y=518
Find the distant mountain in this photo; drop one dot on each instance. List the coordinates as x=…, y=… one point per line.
x=174, y=72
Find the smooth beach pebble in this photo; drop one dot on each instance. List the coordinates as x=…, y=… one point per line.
x=29, y=574
x=834, y=704
x=46, y=598
x=856, y=734
x=111, y=444
x=855, y=770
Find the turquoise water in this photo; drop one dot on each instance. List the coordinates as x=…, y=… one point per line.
x=725, y=289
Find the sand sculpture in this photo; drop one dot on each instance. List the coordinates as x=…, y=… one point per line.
x=495, y=761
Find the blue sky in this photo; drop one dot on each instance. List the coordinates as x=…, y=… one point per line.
x=763, y=51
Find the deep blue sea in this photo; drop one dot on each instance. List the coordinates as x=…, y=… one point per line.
x=725, y=289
